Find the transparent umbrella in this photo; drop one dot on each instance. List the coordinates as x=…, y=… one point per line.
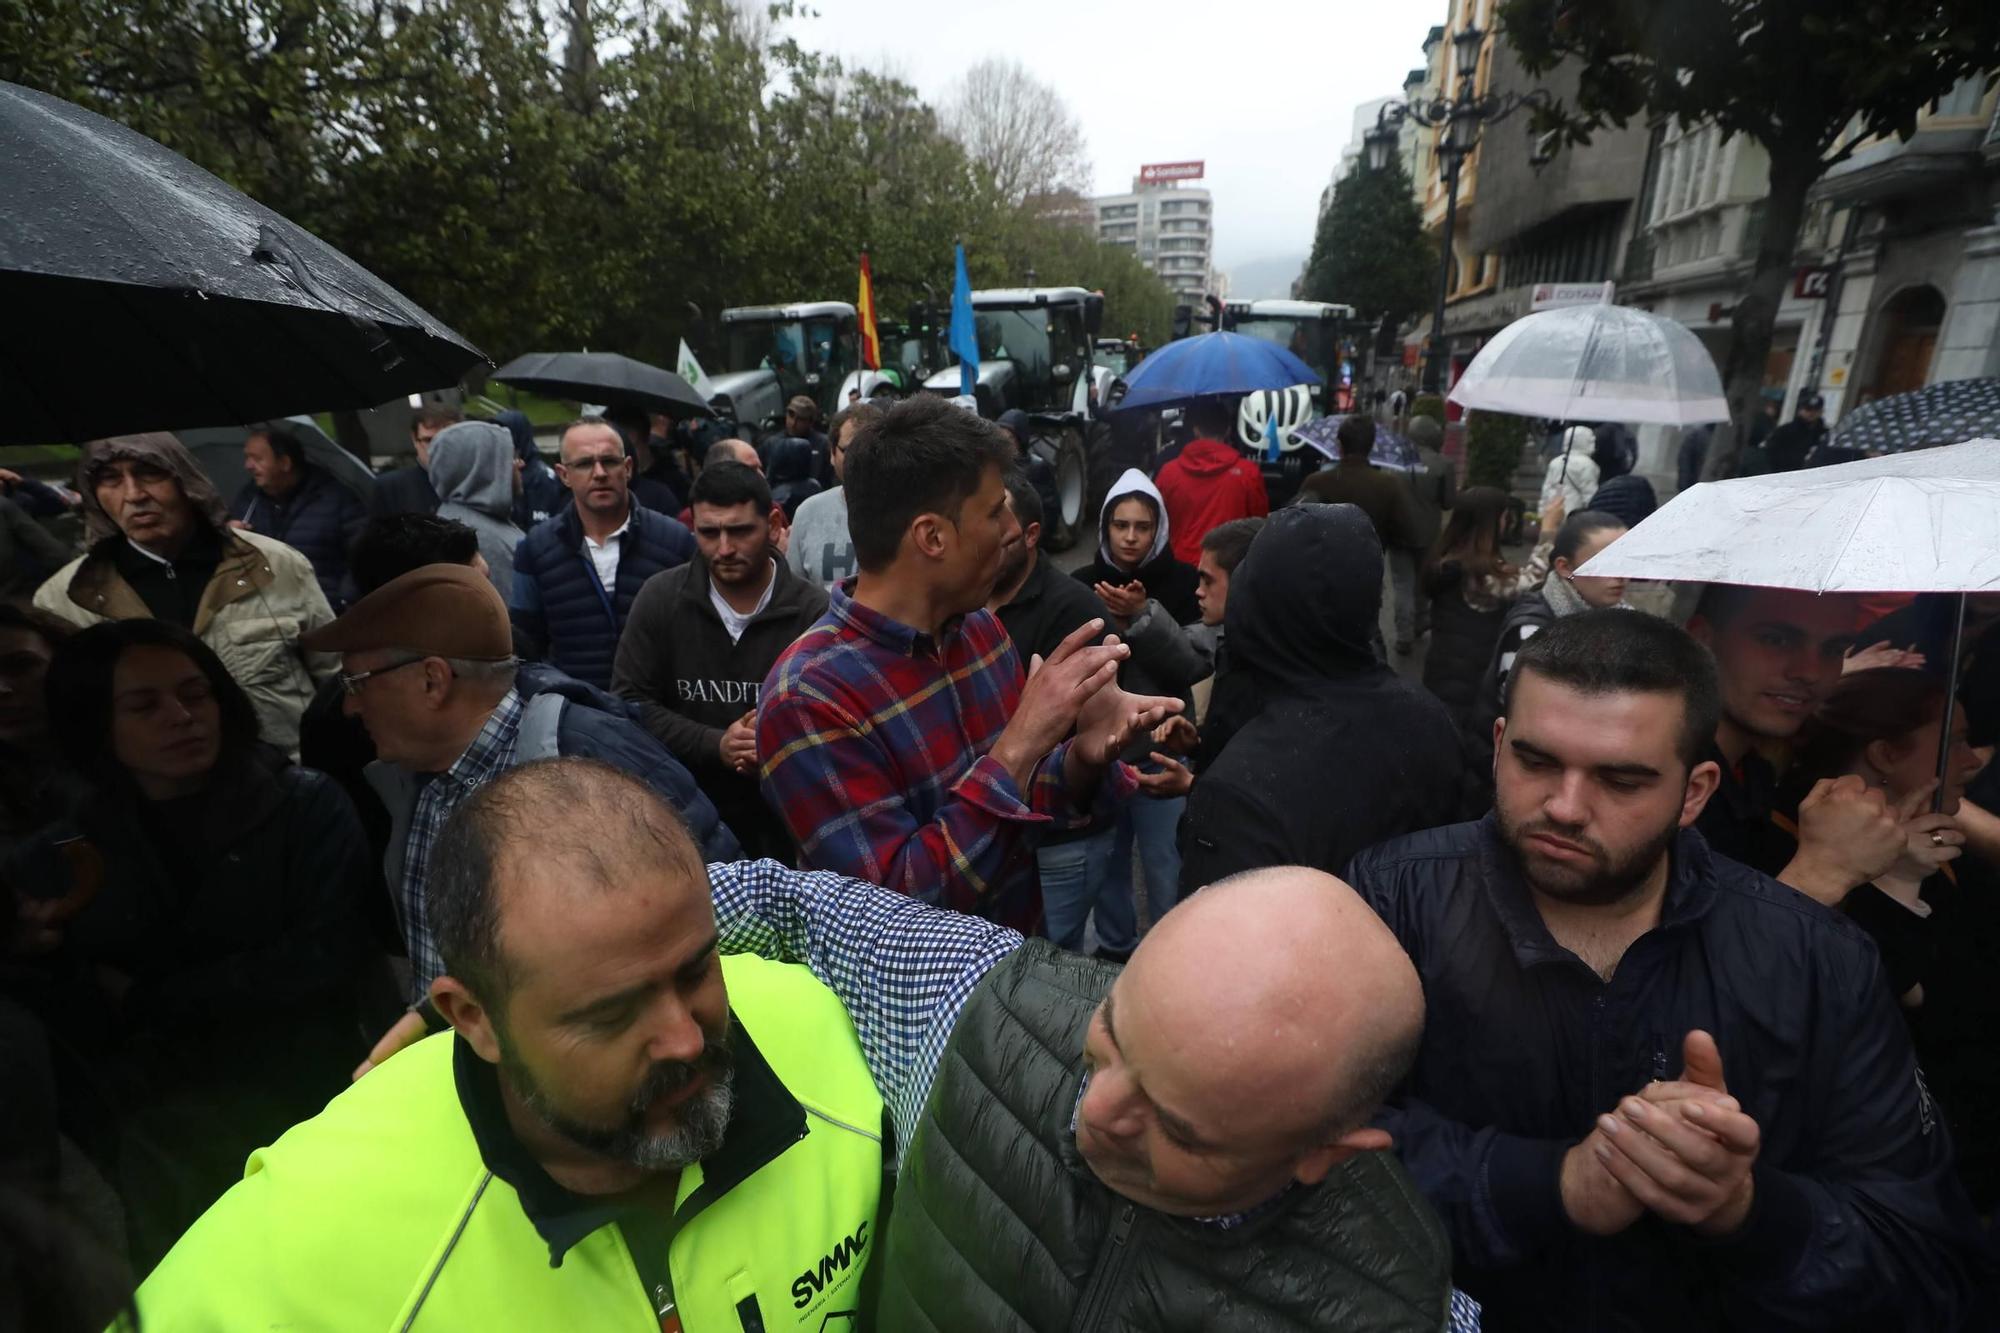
x=1927, y=521
x=1595, y=363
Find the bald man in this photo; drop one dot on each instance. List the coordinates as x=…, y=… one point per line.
x=1183, y=1142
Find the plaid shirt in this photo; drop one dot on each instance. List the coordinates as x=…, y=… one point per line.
x=902, y=970
x=491, y=753
x=875, y=740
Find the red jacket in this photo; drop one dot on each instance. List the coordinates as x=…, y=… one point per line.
x=1207, y=485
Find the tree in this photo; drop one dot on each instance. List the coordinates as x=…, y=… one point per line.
x=1018, y=130
x=1806, y=79
x=1370, y=250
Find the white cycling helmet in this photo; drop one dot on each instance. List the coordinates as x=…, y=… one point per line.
x=1288, y=408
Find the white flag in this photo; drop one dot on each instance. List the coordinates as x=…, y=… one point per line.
x=691, y=371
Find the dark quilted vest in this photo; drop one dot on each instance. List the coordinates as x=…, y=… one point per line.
x=998, y=1225
x=582, y=639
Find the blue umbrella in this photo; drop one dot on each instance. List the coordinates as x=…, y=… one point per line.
x=1212, y=365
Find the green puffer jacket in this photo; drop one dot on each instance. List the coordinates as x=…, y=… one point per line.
x=1000, y=1226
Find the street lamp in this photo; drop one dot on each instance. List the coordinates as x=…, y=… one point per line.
x=1461, y=118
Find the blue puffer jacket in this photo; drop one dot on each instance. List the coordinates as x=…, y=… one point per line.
x=559, y=602
x=591, y=724
x=319, y=520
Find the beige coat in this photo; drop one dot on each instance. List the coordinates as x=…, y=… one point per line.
x=262, y=598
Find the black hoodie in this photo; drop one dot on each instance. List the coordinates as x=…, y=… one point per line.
x=1344, y=753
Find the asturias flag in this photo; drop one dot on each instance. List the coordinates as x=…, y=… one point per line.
x=871, y=341
x=964, y=335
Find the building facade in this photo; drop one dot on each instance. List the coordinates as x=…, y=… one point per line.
x=1170, y=228
x=1523, y=218
x=1896, y=280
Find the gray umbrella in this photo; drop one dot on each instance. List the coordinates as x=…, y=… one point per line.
x=604, y=377
x=141, y=293
x=1950, y=412
x=219, y=450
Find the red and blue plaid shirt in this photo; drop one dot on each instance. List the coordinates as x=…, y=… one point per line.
x=875, y=740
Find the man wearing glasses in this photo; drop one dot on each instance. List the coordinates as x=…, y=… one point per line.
x=428, y=665
x=576, y=574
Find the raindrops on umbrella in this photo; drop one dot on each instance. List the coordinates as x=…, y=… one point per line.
x=1950, y=412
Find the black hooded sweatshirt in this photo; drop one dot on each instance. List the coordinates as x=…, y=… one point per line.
x=1344, y=753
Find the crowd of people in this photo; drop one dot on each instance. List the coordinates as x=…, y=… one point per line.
x=714, y=884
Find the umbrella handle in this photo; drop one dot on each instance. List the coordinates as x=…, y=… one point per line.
x=1950, y=702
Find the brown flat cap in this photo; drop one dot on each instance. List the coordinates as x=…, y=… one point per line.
x=439, y=610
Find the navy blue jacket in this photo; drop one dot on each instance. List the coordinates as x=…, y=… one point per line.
x=319, y=520
x=559, y=602
x=1858, y=1222
x=596, y=725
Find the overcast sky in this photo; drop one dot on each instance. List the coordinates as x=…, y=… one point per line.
x=1263, y=90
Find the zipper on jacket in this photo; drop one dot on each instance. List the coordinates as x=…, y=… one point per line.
x=1105, y=1274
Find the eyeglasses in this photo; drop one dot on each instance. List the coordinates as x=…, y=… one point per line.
x=591, y=465
x=352, y=684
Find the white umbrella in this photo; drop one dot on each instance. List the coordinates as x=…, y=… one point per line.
x=1595, y=363
x=1927, y=521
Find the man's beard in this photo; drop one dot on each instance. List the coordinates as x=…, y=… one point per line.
x=1609, y=880
x=1012, y=568
x=750, y=573
x=704, y=1118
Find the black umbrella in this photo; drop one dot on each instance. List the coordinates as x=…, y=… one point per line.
x=1949, y=412
x=219, y=450
x=604, y=377
x=141, y=293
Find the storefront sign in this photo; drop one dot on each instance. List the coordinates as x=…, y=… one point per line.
x=1553, y=295
x=1811, y=284
x=1159, y=173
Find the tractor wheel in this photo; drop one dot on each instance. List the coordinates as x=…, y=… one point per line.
x=1064, y=528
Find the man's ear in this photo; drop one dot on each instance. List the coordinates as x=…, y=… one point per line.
x=1031, y=536
x=927, y=536
x=1702, y=781
x=1312, y=1168
x=467, y=1016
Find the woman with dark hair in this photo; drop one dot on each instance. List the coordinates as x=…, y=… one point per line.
x=1933, y=915
x=1882, y=726
x=1470, y=584
x=191, y=941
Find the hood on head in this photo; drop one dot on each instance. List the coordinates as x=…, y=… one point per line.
x=472, y=463
x=1304, y=603
x=1016, y=423
x=522, y=431
x=163, y=451
x=790, y=460
x=1131, y=482
x=1209, y=458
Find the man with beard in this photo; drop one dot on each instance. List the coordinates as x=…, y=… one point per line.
x=1657, y=1090
x=703, y=637
x=625, y=1130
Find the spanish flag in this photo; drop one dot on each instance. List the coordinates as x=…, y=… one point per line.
x=871, y=341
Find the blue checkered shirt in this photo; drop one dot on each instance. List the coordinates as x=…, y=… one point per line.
x=903, y=970
x=490, y=754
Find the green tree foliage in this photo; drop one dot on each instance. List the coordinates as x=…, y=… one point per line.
x=1493, y=444
x=1804, y=78
x=534, y=200
x=1428, y=405
x=1371, y=251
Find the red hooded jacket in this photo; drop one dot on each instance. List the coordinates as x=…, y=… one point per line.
x=1207, y=485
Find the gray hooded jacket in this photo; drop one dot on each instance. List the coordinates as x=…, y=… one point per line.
x=472, y=469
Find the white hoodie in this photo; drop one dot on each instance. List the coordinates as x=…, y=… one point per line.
x=1131, y=482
